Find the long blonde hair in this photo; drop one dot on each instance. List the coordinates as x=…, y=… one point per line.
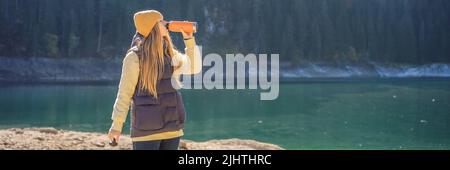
x=151, y=59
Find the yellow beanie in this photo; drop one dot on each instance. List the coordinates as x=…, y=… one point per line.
x=146, y=20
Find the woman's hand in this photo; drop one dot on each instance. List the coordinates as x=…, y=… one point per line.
x=187, y=35
x=113, y=135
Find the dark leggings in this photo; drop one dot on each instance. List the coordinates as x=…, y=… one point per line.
x=166, y=144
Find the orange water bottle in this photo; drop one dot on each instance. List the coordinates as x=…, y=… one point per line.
x=186, y=26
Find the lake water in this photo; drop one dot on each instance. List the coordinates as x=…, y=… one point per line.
x=313, y=114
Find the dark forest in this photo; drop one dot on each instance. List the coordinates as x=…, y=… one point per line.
x=395, y=31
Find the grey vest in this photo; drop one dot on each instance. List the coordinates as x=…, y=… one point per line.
x=152, y=115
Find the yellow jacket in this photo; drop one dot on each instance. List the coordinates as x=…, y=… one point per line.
x=191, y=64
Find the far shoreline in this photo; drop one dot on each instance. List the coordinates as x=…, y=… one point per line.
x=107, y=71
x=284, y=81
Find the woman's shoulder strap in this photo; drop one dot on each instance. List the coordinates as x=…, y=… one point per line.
x=133, y=49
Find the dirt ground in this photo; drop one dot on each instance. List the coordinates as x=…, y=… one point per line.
x=54, y=139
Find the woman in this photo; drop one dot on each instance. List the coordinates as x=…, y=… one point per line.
x=148, y=69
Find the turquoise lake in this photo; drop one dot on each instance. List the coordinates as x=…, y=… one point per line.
x=310, y=114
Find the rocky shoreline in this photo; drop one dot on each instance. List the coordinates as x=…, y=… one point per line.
x=70, y=70
x=56, y=139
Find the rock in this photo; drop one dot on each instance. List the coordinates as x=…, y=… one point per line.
x=17, y=130
x=78, y=139
x=75, y=142
x=183, y=145
x=48, y=130
x=7, y=143
x=98, y=144
x=39, y=138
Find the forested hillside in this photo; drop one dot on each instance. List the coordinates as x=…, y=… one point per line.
x=398, y=31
